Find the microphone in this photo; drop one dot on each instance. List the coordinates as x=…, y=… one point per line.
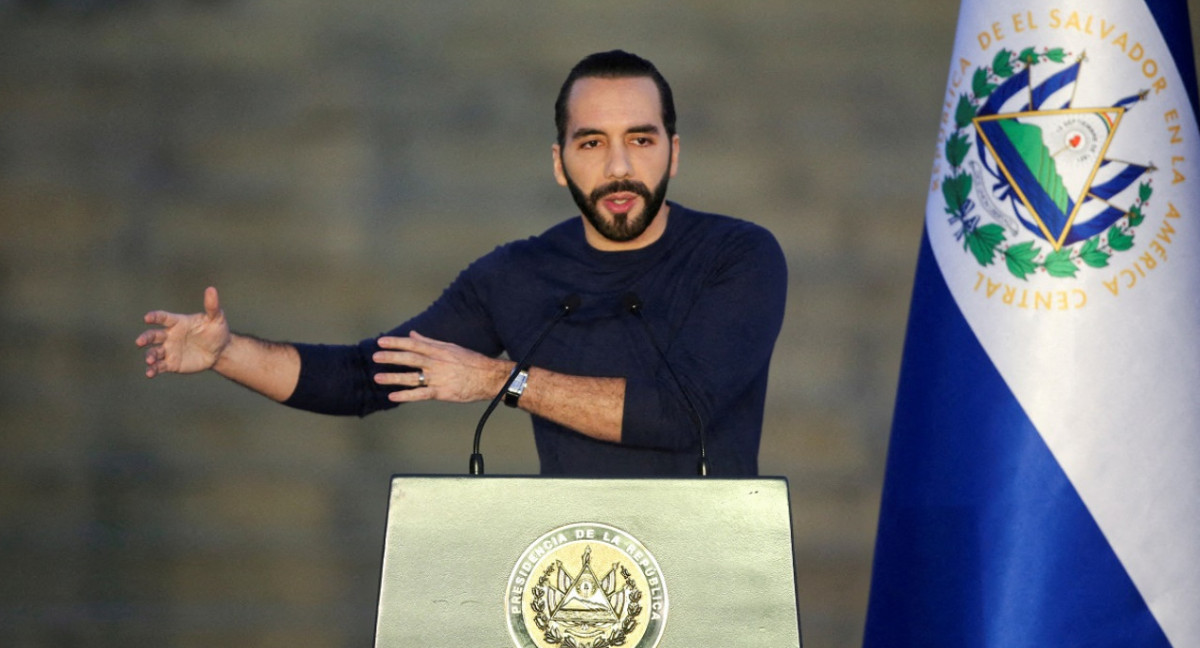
x=567, y=306
x=633, y=304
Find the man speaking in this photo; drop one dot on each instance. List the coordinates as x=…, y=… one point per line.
x=654, y=324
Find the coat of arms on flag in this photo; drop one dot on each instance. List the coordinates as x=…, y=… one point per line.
x=1038, y=167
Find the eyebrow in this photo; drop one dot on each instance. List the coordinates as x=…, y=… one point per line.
x=642, y=128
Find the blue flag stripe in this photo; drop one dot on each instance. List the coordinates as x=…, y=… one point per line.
x=1054, y=84
x=1007, y=90
x=1172, y=19
x=979, y=524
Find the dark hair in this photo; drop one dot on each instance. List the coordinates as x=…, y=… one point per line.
x=615, y=64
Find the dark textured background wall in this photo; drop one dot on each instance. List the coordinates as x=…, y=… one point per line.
x=330, y=166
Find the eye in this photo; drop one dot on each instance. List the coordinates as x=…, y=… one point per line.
x=642, y=141
x=589, y=144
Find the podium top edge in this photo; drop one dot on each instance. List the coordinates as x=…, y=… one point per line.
x=579, y=478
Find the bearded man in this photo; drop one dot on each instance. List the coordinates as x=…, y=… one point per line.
x=673, y=317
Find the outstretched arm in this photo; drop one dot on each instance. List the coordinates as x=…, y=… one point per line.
x=197, y=342
x=591, y=406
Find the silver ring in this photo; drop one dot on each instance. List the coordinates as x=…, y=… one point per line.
x=421, y=379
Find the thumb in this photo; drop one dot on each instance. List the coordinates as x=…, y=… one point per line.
x=212, y=303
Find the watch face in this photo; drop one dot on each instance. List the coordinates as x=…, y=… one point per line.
x=518, y=384
x=515, y=388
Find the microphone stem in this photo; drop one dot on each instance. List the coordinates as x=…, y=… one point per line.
x=634, y=306
x=566, y=308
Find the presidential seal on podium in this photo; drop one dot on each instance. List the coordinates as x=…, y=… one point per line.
x=586, y=585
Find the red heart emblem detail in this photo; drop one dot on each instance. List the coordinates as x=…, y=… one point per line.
x=1075, y=140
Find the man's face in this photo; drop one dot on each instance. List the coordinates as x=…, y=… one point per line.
x=615, y=143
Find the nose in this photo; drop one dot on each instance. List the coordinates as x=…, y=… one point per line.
x=618, y=165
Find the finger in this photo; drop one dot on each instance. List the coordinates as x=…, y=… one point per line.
x=162, y=318
x=414, y=342
x=212, y=302
x=402, y=358
x=428, y=341
x=155, y=355
x=399, y=379
x=151, y=363
x=401, y=343
x=389, y=342
x=412, y=395
x=152, y=336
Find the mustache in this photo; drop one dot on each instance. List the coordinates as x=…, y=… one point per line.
x=618, y=186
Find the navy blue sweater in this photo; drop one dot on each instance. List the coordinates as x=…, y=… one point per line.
x=712, y=290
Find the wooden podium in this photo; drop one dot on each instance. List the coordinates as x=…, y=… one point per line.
x=531, y=562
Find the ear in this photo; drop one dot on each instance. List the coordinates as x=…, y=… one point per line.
x=674, y=154
x=559, y=176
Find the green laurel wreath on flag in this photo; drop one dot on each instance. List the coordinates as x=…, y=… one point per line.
x=986, y=242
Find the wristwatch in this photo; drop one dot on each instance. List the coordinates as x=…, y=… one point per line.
x=516, y=387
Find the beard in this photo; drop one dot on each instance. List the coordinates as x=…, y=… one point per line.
x=623, y=227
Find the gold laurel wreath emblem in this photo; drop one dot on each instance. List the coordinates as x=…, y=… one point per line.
x=554, y=635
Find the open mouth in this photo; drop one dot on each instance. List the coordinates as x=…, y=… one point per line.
x=621, y=202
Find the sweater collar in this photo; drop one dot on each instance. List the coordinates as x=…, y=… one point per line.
x=656, y=249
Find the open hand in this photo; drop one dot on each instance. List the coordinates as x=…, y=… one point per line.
x=185, y=343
